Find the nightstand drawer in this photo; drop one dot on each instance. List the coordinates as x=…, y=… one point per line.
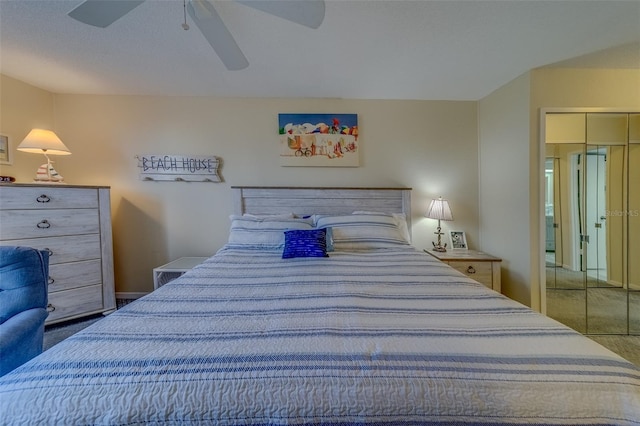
x=477, y=265
x=479, y=271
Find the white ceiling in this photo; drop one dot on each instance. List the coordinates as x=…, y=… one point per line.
x=366, y=49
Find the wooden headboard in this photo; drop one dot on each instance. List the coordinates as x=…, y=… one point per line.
x=262, y=200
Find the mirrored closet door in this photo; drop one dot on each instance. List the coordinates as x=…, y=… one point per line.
x=592, y=217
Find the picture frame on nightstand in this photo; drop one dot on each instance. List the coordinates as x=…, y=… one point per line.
x=458, y=240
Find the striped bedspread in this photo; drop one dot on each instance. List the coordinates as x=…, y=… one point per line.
x=381, y=337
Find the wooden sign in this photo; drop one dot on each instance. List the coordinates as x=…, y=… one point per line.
x=180, y=168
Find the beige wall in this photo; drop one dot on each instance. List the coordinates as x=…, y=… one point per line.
x=541, y=88
x=430, y=146
x=22, y=107
x=503, y=181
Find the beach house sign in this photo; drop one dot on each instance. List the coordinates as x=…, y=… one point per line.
x=180, y=168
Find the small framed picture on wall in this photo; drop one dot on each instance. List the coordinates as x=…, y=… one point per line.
x=5, y=149
x=458, y=240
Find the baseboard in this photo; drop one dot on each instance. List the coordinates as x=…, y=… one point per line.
x=129, y=295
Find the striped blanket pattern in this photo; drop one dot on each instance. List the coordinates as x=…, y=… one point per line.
x=381, y=337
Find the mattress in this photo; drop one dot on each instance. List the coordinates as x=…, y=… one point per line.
x=374, y=337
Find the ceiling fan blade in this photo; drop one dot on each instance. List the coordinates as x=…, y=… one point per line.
x=215, y=31
x=309, y=13
x=102, y=13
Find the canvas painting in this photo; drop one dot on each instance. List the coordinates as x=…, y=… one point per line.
x=5, y=150
x=319, y=140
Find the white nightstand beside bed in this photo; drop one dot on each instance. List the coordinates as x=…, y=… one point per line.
x=174, y=269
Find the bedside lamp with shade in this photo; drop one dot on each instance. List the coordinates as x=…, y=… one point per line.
x=439, y=209
x=40, y=141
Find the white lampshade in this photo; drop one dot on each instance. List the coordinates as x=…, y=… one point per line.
x=439, y=209
x=40, y=141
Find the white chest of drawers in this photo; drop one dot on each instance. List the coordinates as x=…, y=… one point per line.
x=74, y=224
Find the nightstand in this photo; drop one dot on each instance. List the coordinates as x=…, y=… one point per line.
x=480, y=266
x=172, y=270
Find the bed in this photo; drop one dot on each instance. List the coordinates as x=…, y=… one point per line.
x=365, y=330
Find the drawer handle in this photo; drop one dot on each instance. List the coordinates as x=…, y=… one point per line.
x=50, y=308
x=471, y=270
x=43, y=198
x=50, y=281
x=44, y=224
x=48, y=250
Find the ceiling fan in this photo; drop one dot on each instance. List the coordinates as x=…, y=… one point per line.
x=310, y=13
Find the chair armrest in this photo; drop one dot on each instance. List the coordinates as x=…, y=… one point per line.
x=21, y=338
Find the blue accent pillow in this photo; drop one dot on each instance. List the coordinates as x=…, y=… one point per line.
x=305, y=243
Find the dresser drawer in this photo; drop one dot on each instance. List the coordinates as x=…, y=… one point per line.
x=64, y=276
x=20, y=224
x=15, y=198
x=64, y=249
x=479, y=271
x=68, y=304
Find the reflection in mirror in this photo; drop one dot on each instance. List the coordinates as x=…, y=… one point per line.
x=566, y=278
x=607, y=311
x=604, y=192
x=592, y=216
x=550, y=174
x=605, y=200
x=595, y=219
x=634, y=224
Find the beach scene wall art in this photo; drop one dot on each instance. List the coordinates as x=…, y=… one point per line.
x=319, y=140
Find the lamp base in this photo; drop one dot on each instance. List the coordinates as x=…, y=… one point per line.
x=46, y=173
x=439, y=247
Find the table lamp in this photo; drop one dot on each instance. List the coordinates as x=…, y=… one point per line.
x=40, y=141
x=439, y=209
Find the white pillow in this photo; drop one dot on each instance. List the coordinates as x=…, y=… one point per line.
x=361, y=231
x=401, y=221
x=270, y=216
x=250, y=232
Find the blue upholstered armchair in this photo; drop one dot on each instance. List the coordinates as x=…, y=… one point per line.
x=24, y=274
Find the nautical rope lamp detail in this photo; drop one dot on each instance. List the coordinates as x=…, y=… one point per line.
x=40, y=141
x=439, y=209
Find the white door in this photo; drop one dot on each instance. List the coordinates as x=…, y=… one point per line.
x=595, y=214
